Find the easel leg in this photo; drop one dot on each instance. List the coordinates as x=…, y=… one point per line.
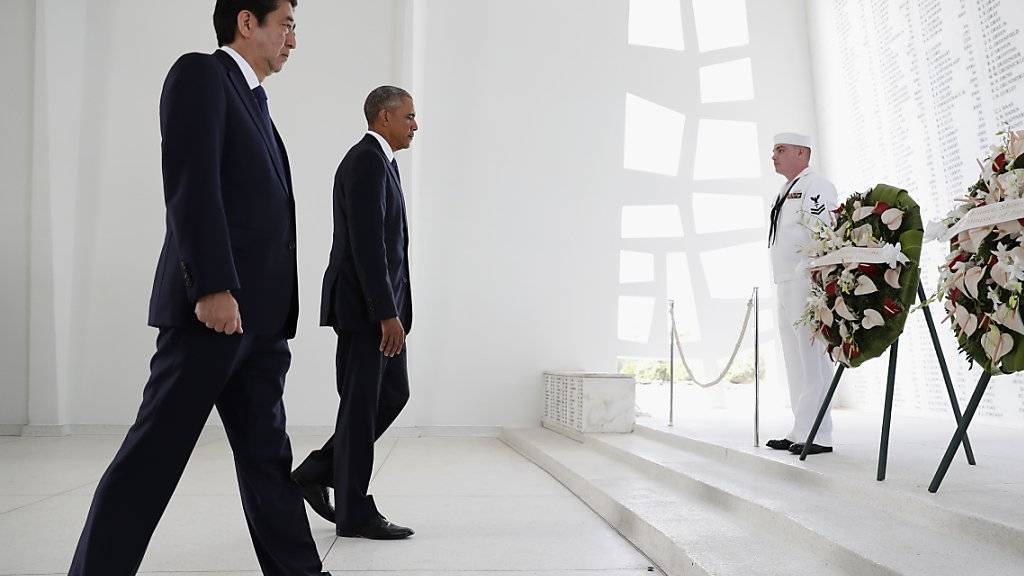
x=945, y=372
x=821, y=413
x=961, y=432
x=890, y=386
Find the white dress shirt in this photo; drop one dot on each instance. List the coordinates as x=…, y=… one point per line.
x=247, y=71
x=383, y=144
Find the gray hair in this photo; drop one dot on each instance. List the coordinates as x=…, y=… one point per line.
x=383, y=98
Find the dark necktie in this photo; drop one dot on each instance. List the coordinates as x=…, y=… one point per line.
x=261, y=101
x=394, y=165
x=268, y=126
x=776, y=212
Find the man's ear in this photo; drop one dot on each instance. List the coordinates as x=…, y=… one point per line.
x=245, y=22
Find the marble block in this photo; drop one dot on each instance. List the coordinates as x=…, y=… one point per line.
x=580, y=402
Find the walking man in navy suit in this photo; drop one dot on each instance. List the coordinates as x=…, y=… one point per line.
x=225, y=300
x=368, y=301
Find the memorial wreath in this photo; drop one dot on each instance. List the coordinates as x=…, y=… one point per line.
x=864, y=273
x=981, y=279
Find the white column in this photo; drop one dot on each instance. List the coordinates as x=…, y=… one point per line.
x=16, y=39
x=59, y=50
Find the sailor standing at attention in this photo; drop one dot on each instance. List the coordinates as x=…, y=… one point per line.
x=806, y=195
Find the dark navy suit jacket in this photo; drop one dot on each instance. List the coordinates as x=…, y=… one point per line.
x=230, y=210
x=367, y=279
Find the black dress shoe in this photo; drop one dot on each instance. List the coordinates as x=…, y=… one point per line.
x=377, y=529
x=316, y=494
x=814, y=449
x=782, y=444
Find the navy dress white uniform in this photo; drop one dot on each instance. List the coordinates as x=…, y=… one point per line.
x=807, y=197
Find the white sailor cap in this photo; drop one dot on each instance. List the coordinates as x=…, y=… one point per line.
x=793, y=139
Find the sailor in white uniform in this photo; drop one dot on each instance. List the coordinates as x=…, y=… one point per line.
x=805, y=196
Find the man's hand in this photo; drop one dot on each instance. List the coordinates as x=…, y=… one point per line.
x=392, y=336
x=219, y=311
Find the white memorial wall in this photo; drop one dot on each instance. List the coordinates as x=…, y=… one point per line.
x=911, y=93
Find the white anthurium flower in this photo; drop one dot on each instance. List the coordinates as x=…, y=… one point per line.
x=871, y=319
x=1009, y=317
x=839, y=356
x=1011, y=227
x=936, y=229
x=972, y=325
x=864, y=286
x=950, y=307
x=967, y=322
x=1000, y=274
x=843, y=310
x=893, y=218
x=862, y=213
x=844, y=330
x=1016, y=146
x=971, y=240
x=960, y=314
x=996, y=344
x=966, y=243
x=971, y=279
x=824, y=314
x=892, y=277
x=861, y=235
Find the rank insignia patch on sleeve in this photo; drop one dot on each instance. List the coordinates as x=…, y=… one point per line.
x=818, y=207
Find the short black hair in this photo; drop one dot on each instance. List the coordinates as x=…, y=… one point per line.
x=383, y=98
x=225, y=15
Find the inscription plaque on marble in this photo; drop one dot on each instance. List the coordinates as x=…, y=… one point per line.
x=580, y=402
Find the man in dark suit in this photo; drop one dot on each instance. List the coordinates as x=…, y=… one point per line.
x=367, y=299
x=228, y=257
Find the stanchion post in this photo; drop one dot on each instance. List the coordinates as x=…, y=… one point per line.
x=757, y=373
x=671, y=361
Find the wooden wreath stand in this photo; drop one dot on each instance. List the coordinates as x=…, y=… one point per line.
x=962, y=422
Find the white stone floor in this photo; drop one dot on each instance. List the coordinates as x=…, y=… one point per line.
x=478, y=508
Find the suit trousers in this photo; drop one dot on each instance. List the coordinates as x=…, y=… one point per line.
x=373, y=390
x=808, y=367
x=193, y=370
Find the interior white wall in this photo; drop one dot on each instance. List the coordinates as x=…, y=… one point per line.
x=97, y=207
x=515, y=187
x=522, y=182
x=16, y=37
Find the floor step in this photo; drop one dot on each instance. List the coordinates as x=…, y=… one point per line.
x=860, y=488
x=697, y=508
x=684, y=533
